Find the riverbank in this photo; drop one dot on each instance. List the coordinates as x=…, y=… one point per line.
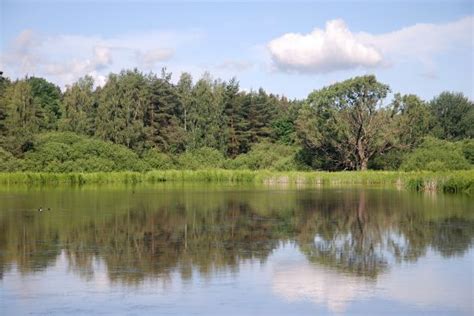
x=453, y=181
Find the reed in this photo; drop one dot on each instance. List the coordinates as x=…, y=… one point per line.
x=453, y=181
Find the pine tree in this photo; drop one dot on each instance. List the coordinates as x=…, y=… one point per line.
x=262, y=111
x=236, y=114
x=166, y=110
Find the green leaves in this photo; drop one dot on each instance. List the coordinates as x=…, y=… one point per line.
x=345, y=123
x=453, y=116
x=436, y=155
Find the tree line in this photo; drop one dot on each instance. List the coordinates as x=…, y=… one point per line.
x=350, y=125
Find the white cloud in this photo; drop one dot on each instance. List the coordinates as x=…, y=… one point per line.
x=64, y=58
x=333, y=48
x=337, y=48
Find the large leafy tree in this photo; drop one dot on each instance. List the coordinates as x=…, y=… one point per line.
x=414, y=119
x=24, y=116
x=453, y=116
x=205, y=119
x=185, y=89
x=346, y=123
x=123, y=103
x=79, y=107
x=48, y=97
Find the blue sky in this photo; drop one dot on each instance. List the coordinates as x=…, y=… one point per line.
x=290, y=48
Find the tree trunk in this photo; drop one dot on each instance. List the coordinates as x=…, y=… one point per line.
x=363, y=164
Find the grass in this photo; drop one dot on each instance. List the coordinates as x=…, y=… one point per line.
x=453, y=181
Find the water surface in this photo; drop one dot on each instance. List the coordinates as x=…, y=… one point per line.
x=235, y=250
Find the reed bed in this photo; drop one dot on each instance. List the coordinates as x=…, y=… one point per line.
x=453, y=181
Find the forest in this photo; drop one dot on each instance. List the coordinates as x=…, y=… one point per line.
x=145, y=121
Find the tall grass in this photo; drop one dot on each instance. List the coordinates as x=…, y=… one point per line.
x=453, y=181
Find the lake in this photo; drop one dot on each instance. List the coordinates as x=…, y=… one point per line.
x=179, y=249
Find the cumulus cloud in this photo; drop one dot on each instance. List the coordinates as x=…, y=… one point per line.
x=337, y=48
x=333, y=48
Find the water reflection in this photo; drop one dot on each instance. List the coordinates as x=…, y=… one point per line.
x=350, y=239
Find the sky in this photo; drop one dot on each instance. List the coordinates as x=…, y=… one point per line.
x=288, y=48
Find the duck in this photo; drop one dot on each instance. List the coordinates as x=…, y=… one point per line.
x=40, y=209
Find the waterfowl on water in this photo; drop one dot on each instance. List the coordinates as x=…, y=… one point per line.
x=40, y=209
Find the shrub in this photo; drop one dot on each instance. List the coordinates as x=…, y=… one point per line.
x=468, y=149
x=8, y=162
x=158, y=160
x=267, y=156
x=435, y=155
x=202, y=158
x=68, y=152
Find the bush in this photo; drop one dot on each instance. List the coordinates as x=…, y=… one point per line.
x=436, y=155
x=468, y=149
x=158, y=160
x=267, y=156
x=68, y=152
x=8, y=162
x=202, y=158
x=390, y=160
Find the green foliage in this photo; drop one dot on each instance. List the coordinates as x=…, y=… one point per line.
x=390, y=160
x=123, y=106
x=453, y=116
x=436, y=155
x=48, y=97
x=343, y=123
x=284, y=131
x=79, y=107
x=23, y=119
x=158, y=160
x=68, y=152
x=157, y=124
x=202, y=158
x=205, y=115
x=467, y=147
x=414, y=119
x=452, y=181
x=267, y=156
x=166, y=110
x=8, y=162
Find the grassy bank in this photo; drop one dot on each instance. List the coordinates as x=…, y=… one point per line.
x=454, y=181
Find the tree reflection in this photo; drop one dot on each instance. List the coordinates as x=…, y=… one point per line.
x=360, y=232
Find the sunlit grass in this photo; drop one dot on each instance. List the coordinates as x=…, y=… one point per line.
x=453, y=181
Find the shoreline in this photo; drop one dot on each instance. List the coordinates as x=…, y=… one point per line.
x=422, y=181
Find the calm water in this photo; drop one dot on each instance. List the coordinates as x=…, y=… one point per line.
x=232, y=250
